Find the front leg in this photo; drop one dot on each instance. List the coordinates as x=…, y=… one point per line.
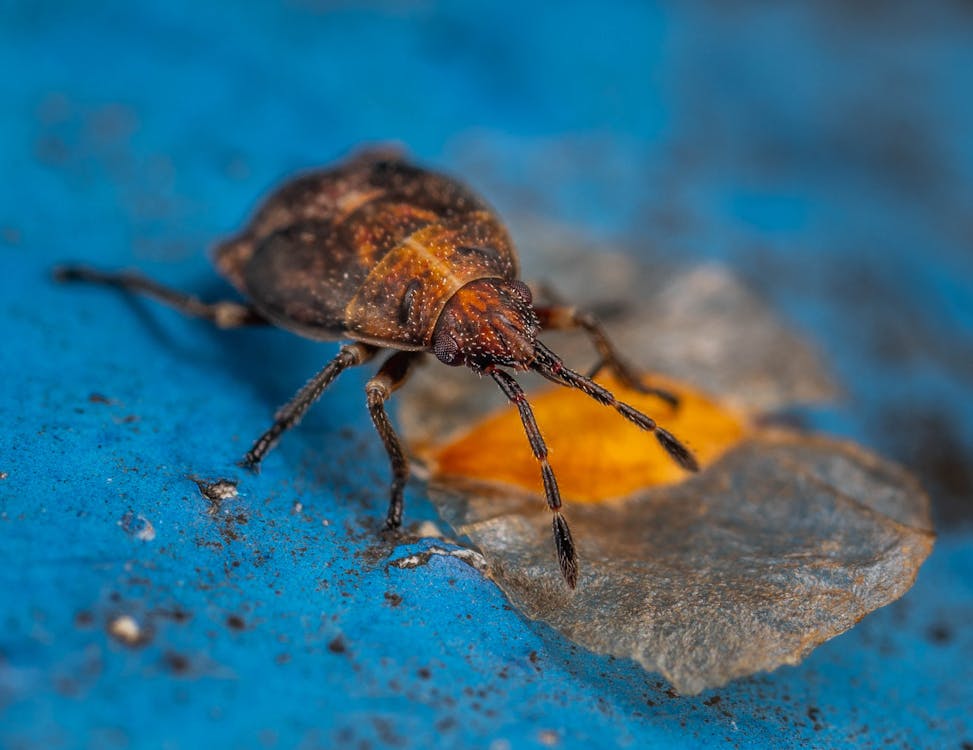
x=567, y=557
x=567, y=318
x=392, y=374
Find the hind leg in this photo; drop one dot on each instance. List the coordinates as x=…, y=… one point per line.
x=222, y=314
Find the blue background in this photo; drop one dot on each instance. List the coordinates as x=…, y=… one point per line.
x=823, y=150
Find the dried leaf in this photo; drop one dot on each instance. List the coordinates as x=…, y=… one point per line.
x=597, y=455
x=781, y=542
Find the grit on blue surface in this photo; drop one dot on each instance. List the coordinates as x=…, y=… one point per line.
x=824, y=152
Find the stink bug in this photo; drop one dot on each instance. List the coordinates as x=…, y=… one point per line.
x=392, y=256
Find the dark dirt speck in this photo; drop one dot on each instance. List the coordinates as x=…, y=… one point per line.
x=387, y=733
x=235, y=622
x=939, y=634
x=814, y=714
x=176, y=663
x=338, y=645
x=174, y=614
x=446, y=724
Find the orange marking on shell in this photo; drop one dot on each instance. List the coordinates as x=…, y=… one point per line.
x=373, y=230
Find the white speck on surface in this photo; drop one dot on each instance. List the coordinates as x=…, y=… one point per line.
x=137, y=526
x=412, y=561
x=222, y=490
x=147, y=532
x=125, y=629
x=548, y=737
x=216, y=491
x=470, y=557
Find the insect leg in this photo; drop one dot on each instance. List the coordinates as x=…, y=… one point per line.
x=291, y=413
x=392, y=374
x=221, y=314
x=566, y=556
x=566, y=318
x=548, y=364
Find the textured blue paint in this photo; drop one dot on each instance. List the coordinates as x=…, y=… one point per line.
x=824, y=153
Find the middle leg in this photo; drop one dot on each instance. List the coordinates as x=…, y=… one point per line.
x=387, y=380
x=292, y=412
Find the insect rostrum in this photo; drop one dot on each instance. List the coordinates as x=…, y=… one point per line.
x=387, y=255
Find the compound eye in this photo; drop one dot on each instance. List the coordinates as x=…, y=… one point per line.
x=446, y=349
x=521, y=290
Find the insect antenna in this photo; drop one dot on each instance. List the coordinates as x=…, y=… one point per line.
x=567, y=558
x=548, y=364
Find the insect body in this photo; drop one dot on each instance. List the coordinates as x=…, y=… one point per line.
x=391, y=256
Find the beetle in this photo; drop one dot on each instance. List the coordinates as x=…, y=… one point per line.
x=391, y=256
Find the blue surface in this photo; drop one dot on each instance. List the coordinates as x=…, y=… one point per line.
x=825, y=153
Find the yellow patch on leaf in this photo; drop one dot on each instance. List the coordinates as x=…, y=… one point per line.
x=595, y=453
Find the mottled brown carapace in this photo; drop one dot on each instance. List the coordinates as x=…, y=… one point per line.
x=371, y=250
x=387, y=255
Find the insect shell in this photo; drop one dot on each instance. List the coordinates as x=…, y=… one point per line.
x=375, y=250
x=392, y=256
